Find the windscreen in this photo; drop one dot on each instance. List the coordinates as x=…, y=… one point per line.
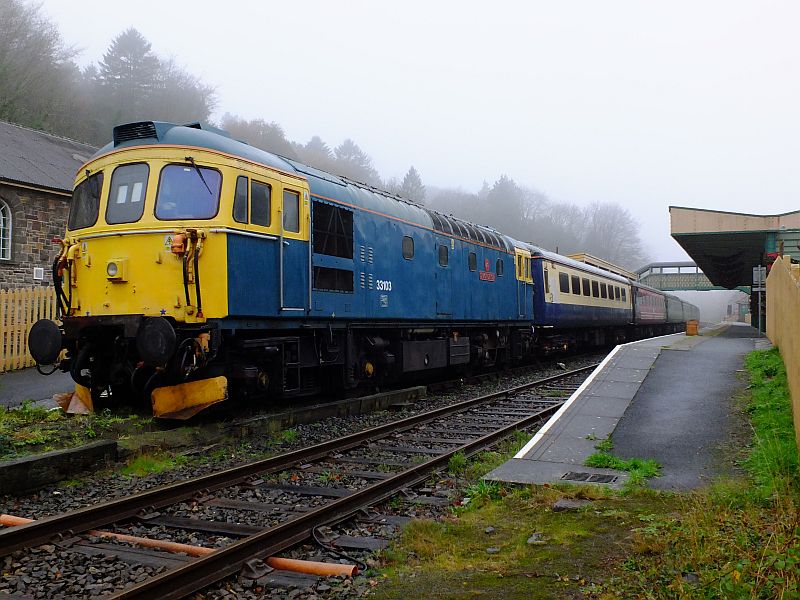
x=85, y=204
x=188, y=192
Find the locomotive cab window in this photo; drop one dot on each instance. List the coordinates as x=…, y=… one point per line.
x=576, y=284
x=443, y=256
x=85, y=204
x=586, y=287
x=291, y=211
x=563, y=282
x=126, y=198
x=332, y=230
x=473, y=261
x=240, y=200
x=408, y=247
x=188, y=192
x=260, y=204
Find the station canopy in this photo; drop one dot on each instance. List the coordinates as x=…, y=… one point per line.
x=726, y=246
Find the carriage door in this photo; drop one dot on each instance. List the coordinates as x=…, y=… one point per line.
x=522, y=261
x=444, y=276
x=294, y=252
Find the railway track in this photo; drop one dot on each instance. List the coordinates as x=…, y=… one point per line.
x=260, y=509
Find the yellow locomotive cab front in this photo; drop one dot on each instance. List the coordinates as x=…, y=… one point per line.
x=142, y=277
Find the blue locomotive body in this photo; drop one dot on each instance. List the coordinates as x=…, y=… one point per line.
x=303, y=279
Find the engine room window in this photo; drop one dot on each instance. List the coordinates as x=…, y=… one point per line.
x=586, y=287
x=499, y=267
x=333, y=280
x=332, y=230
x=563, y=282
x=595, y=289
x=240, y=200
x=126, y=198
x=291, y=211
x=85, y=205
x=576, y=285
x=188, y=192
x=473, y=262
x=603, y=290
x=443, y=256
x=408, y=247
x=260, y=204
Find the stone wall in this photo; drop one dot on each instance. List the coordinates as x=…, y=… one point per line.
x=37, y=217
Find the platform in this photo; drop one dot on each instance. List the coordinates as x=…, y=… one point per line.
x=666, y=398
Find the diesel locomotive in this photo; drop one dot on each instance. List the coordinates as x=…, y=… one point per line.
x=195, y=267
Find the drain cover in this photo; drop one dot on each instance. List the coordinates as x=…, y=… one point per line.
x=589, y=477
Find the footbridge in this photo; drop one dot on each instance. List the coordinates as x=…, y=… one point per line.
x=678, y=276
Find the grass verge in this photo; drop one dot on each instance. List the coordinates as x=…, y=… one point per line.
x=738, y=538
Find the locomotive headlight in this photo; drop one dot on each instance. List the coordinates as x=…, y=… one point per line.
x=117, y=269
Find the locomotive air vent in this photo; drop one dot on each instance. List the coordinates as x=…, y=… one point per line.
x=134, y=131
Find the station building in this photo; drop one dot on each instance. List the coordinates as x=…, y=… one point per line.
x=37, y=172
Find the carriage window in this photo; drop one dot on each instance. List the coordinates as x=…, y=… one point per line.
x=188, y=192
x=586, y=288
x=576, y=284
x=291, y=211
x=443, y=256
x=85, y=204
x=260, y=204
x=126, y=199
x=595, y=289
x=473, y=262
x=333, y=230
x=623, y=295
x=408, y=247
x=603, y=290
x=499, y=267
x=563, y=282
x=240, y=200
x=616, y=293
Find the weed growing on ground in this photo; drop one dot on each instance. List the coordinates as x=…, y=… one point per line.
x=457, y=464
x=639, y=469
x=151, y=464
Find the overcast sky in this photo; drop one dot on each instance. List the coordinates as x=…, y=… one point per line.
x=683, y=103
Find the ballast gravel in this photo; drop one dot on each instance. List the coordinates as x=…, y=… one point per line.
x=56, y=571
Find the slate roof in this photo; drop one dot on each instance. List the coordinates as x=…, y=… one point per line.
x=37, y=158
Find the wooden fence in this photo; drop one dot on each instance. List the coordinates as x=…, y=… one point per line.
x=783, y=326
x=19, y=310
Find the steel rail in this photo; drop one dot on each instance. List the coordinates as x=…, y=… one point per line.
x=72, y=523
x=202, y=572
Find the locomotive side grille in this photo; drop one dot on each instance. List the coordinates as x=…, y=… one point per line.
x=370, y=255
x=362, y=253
x=369, y=281
x=134, y=131
x=363, y=281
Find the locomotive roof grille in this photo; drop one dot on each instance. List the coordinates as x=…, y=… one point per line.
x=476, y=233
x=134, y=131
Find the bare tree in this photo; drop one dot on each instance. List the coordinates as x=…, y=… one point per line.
x=259, y=133
x=35, y=67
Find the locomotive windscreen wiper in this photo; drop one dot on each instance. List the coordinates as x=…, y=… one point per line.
x=190, y=160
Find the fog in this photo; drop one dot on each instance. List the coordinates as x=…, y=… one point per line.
x=643, y=104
